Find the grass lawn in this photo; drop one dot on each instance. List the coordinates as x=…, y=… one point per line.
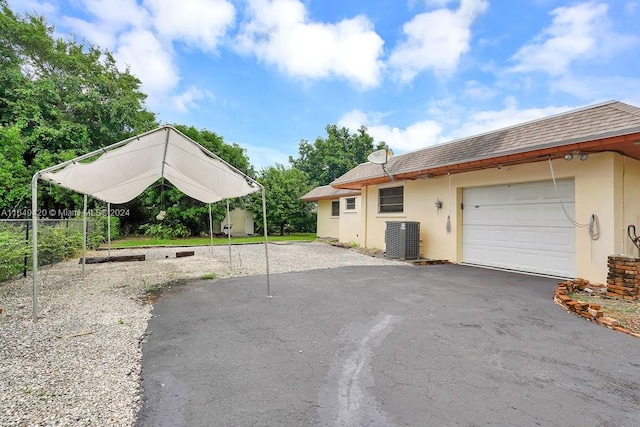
x=130, y=242
x=627, y=313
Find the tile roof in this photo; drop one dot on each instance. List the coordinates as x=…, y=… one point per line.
x=584, y=124
x=325, y=192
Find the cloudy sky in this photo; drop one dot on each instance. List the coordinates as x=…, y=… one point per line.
x=267, y=73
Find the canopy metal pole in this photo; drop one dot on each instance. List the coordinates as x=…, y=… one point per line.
x=211, y=228
x=108, y=229
x=84, y=235
x=266, y=246
x=34, y=226
x=229, y=231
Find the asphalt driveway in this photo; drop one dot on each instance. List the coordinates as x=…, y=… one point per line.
x=383, y=346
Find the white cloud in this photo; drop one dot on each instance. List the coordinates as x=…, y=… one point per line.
x=413, y=137
x=188, y=99
x=436, y=40
x=280, y=33
x=45, y=8
x=142, y=37
x=149, y=60
x=577, y=33
x=594, y=88
x=424, y=133
x=486, y=121
x=94, y=34
x=117, y=15
x=200, y=23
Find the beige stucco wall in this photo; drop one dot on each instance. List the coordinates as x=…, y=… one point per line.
x=628, y=196
x=350, y=221
x=328, y=226
x=605, y=185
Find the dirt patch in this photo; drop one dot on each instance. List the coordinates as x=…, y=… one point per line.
x=627, y=313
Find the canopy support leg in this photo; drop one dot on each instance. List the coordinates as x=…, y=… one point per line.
x=211, y=229
x=266, y=245
x=84, y=235
x=34, y=226
x=229, y=232
x=108, y=229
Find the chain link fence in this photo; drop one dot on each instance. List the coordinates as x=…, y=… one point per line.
x=58, y=239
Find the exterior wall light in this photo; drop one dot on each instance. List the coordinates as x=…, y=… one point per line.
x=438, y=204
x=578, y=154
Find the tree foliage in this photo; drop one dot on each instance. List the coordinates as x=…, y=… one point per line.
x=283, y=189
x=331, y=157
x=58, y=99
x=183, y=212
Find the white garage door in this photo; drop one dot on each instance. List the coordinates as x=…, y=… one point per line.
x=520, y=227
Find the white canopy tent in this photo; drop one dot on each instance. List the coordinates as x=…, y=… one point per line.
x=122, y=171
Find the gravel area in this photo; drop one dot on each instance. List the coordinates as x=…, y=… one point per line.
x=80, y=363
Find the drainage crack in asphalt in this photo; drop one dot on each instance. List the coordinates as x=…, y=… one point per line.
x=348, y=398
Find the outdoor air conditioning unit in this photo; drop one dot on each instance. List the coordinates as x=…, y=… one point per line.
x=402, y=239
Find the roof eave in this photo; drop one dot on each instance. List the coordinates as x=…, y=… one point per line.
x=593, y=144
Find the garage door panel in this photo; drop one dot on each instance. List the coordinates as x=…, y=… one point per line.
x=528, y=193
x=558, y=239
x=542, y=214
x=521, y=227
x=557, y=263
x=524, y=237
x=527, y=259
x=495, y=256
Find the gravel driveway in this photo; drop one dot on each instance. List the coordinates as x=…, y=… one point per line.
x=80, y=364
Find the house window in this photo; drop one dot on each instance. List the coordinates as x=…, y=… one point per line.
x=391, y=199
x=350, y=203
x=335, y=208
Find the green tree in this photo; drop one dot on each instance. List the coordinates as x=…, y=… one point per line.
x=183, y=211
x=62, y=97
x=13, y=172
x=283, y=189
x=331, y=157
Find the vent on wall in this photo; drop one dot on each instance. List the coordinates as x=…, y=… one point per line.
x=402, y=239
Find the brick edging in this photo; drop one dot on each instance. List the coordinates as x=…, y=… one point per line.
x=592, y=312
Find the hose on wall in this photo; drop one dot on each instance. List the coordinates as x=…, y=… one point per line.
x=593, y=226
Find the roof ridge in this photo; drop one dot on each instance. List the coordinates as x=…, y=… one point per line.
x=628, y=108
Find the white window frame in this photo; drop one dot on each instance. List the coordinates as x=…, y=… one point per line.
x=346, y=204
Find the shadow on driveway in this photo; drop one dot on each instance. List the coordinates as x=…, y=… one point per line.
x=383, y=346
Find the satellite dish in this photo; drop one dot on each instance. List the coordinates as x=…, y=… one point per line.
x=381, y=156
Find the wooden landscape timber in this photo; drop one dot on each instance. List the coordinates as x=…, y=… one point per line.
x=119, y=258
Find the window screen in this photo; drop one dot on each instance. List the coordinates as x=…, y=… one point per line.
x=391, y=199
x=351, y=203
x=335, y=208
